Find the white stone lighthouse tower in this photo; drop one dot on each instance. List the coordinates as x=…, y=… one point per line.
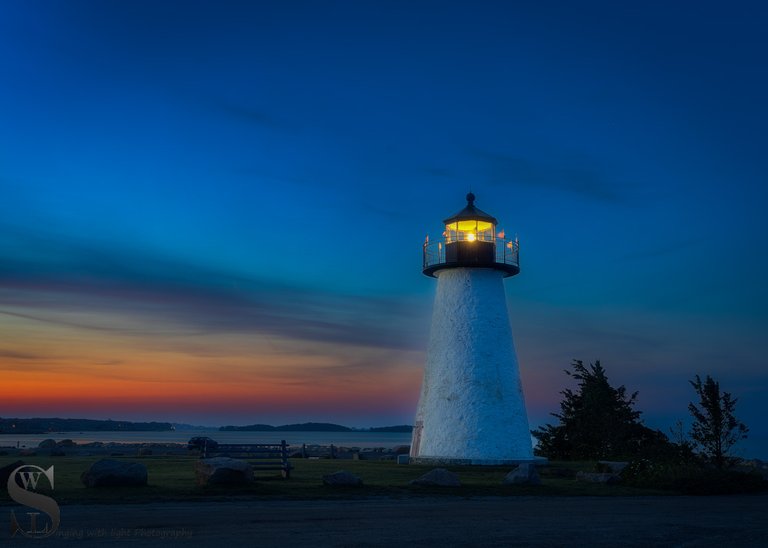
x=471, y=409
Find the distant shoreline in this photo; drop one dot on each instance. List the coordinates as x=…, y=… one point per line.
x=314, y=427
x=363, y=439
x=40, y=426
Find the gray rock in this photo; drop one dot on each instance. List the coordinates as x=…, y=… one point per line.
x=47, y=444
x=114, y=473
x=609, y=479
x=342, y=478
x=438, y=477
x=223, y=471
x=524, y=474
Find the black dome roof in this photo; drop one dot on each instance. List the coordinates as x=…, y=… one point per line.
x=471, y=213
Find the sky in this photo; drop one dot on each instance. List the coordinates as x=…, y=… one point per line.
x=212, y=212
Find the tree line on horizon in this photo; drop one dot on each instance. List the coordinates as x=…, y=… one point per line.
x=598, y=422
x=47, y=425
x=54, y=424
x=314, y=427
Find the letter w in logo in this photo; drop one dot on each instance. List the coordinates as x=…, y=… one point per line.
x=29, y=479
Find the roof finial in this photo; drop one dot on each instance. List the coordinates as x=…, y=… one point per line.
x=470, y=198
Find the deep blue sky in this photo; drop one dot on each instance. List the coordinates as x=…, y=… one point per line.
x=201, y=177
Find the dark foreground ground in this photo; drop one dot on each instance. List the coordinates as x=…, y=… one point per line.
x=509, y=521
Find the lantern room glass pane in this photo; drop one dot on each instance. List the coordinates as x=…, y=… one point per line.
x=470, y=231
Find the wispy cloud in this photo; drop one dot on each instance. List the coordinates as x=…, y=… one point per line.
x=109, y=362
x=19, y=355
x=61, y=281
x=59, y=321
x=575, y=174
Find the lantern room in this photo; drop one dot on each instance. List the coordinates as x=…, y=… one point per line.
x=470, y=240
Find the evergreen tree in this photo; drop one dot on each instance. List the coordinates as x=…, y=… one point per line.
x=597, y=421
x=715, y=429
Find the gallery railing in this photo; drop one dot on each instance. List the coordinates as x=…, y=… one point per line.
x=507, y=254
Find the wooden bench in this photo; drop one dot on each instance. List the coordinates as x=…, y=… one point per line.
x=262, y=456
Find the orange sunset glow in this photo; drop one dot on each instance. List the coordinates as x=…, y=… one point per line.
x=105, y=364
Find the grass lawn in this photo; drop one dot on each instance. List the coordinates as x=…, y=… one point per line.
x=173, y=478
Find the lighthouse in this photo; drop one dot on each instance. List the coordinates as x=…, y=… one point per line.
x=471, y=409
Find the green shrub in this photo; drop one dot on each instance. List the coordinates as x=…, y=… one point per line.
x=691, y=479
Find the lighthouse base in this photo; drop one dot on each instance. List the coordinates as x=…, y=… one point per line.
x=471, y=408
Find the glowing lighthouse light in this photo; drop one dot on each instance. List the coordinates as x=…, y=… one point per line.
x=471, y=409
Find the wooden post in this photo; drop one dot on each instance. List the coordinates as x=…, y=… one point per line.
x=286, y=465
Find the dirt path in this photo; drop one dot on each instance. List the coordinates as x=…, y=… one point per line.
x=489, y=522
